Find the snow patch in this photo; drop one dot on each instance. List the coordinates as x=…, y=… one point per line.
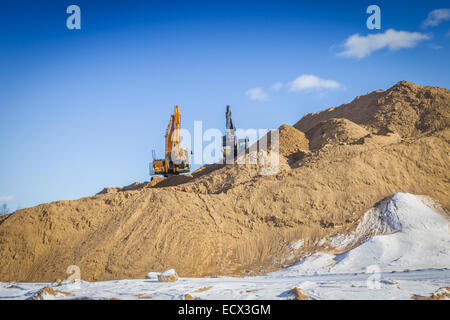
x=152, y=275
x=170, y=272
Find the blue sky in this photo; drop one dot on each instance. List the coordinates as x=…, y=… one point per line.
x=82, y=109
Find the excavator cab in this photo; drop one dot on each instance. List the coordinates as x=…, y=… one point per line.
x=242, y=144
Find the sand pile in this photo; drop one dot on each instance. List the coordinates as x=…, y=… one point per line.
x=406, y=108
x=291, y=140
x=335, y=131
x=230, y=219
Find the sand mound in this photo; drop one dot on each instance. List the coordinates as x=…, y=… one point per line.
x=293, y=145
x=406, y=108
x=335, y=131
x=290, y=141
x=230, y=219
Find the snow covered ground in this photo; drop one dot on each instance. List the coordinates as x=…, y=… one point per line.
x=398, y=285
x=409, y=255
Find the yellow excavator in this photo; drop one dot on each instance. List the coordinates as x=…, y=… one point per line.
x=176, y=159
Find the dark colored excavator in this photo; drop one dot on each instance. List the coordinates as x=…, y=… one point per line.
x=230, y=142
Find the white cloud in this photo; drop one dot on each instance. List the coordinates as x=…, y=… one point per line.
x=310, y=81
x=276, y=86
x=257, y=94
x=436, y=17
x=357, y=46
x=6, y=198
x=435, y=46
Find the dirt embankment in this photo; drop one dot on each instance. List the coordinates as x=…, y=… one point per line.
x=229, y=219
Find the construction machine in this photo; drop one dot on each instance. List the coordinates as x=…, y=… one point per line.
x=230, y=142
x=176, y=158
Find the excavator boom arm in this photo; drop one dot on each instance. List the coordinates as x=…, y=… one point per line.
x=173, y=132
